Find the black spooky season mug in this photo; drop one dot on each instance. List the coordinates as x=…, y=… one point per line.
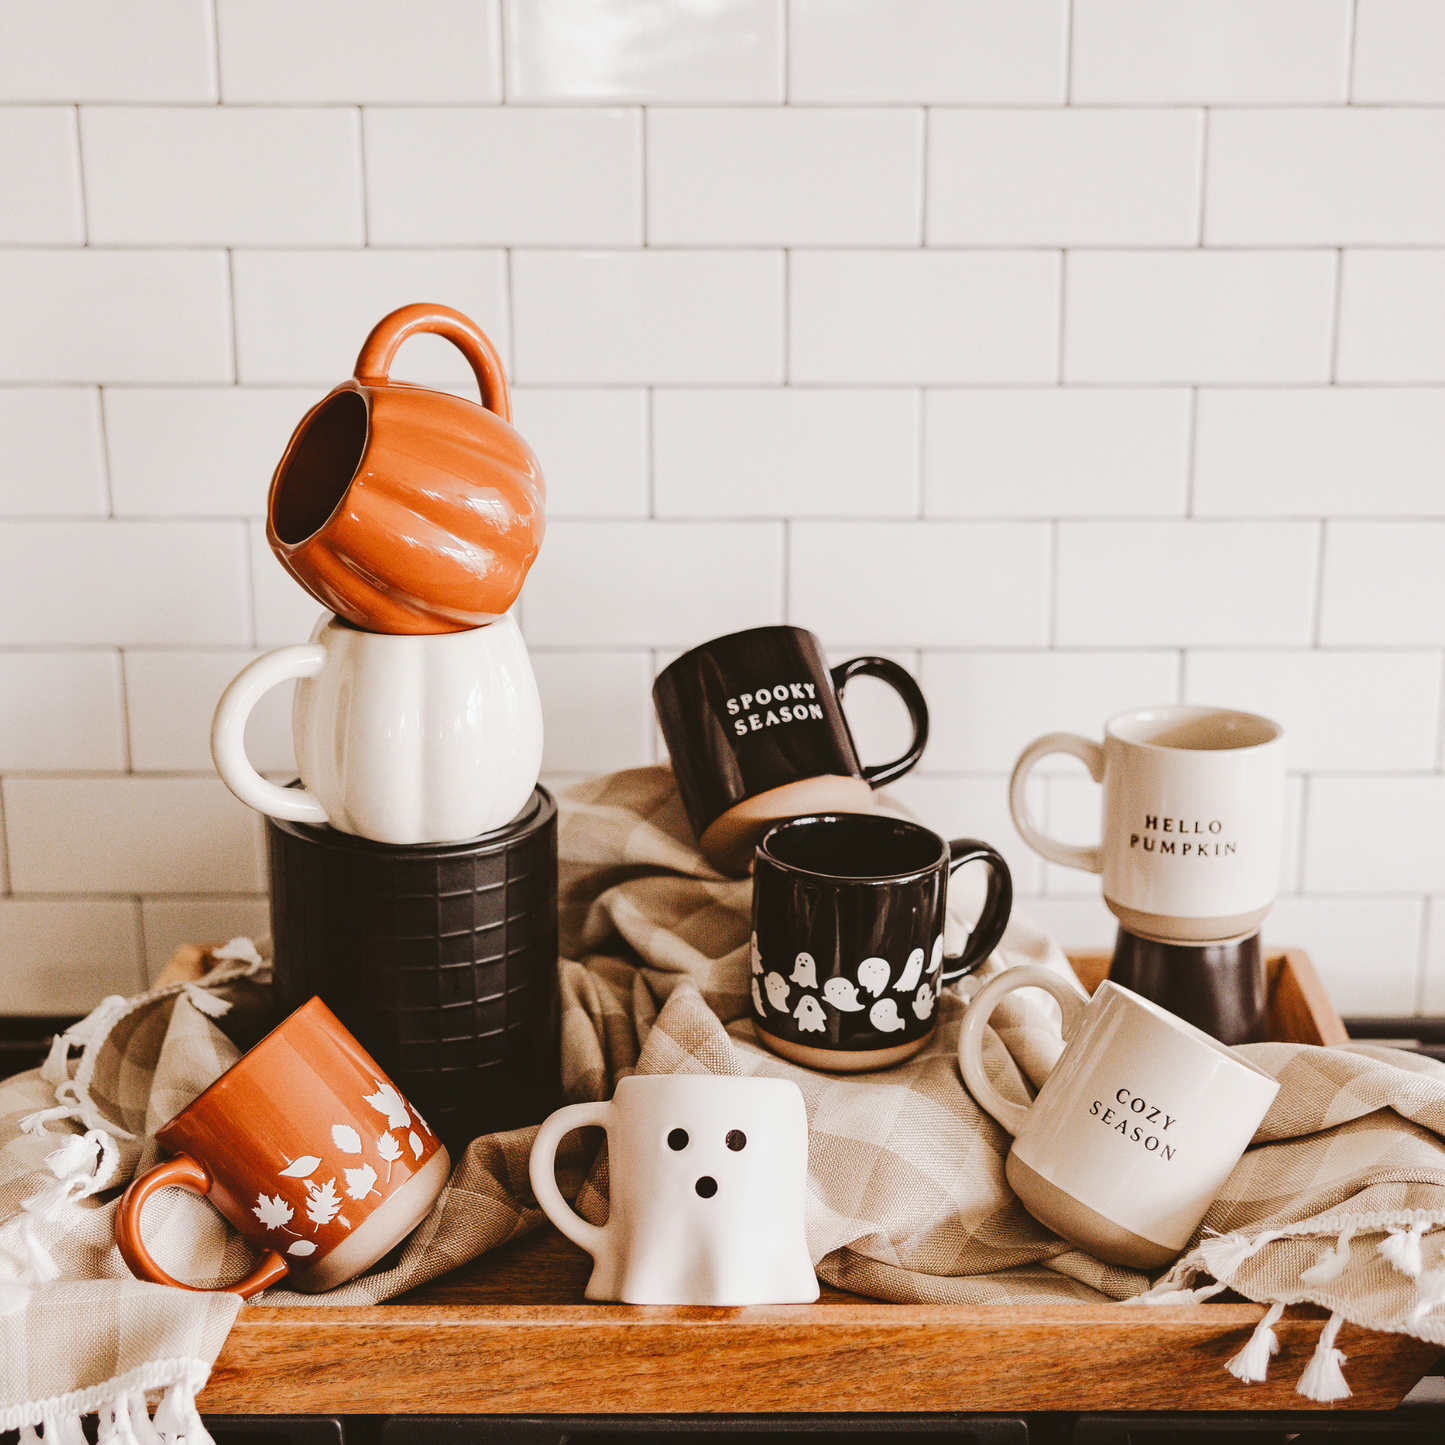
x=756, y=732
x=847, y=947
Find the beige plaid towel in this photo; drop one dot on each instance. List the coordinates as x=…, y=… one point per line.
x=1338, y=1204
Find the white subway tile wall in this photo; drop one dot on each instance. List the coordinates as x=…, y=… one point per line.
x=1078, y=354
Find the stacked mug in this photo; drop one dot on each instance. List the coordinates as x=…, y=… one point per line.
x=413, y=865
x=1190, y=854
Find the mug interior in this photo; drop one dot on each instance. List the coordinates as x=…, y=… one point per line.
x=1194, y=729
x=1184, y=1027
x=854, y=847
x=319, y=466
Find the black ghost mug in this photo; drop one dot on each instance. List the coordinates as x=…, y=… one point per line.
x=756, y=732
x=847, y=947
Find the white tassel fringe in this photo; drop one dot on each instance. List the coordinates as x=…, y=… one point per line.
x=1323, y=1379
x=1251, y=1364
x=1402, y=1248
x=1331, y=1266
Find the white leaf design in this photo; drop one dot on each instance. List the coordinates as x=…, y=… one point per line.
x=389, y=1150
x=273, y=1211
x=346, y=1138
x=325, y=1202
x=300, y=1168
x=387, y=1101
x=415, y=1143
x=360, y=1182
x=302, y=1246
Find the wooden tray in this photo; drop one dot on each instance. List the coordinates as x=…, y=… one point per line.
x=510, y=1334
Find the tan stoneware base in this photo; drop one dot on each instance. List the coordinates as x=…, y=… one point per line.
x=1081, y=1225
x=381, y=1231
x=1164, y=929
x=842, y=1061
x=728, y=841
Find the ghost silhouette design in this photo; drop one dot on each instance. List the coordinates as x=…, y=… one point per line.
x=912, y=972
x=884, y=1017
x=804, y=971
x=923, y=1001
x=758, y=1000
x=709, y=1186
x=937, y=954
x=810, y=1016
x=873, y=975
x=777, y=987
x=757, y=958
x=842, y=995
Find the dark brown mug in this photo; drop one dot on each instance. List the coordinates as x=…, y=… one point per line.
x=404, y=509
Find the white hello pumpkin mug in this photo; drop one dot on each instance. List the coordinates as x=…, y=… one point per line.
x=1193, y=819
x=1135, y=1129
x=707, y=1184
x=429, y=738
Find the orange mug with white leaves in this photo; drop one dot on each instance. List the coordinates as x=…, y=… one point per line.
x=405, y=509
x=308, y=1149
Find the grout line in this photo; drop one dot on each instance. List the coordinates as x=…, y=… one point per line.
x=786, y=7
x=231, y=297
x=498, y=36
x=923, y=178
x=105, y=454
x=1069, y=54
x=1335, y=314
x=80, y=181
x=1322, y=536
x=125, y=740
x=642, y=147
x=216, y=51
x=365, y=192
x=1203, y=173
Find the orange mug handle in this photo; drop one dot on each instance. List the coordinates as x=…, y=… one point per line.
x=378, y=351
x=188, y=1174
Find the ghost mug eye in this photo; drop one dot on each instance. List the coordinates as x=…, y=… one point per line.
x=847, y=961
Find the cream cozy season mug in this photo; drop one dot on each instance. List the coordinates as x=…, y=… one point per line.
x=1135, y=1129
x=1193, y=819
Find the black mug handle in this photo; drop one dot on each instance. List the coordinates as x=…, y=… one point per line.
x=997, y=905
x=901, y=681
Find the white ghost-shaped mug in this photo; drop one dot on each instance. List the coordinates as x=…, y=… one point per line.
x=708, y=1184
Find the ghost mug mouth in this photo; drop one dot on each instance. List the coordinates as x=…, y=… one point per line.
x=308, y=1149
x=847, y=959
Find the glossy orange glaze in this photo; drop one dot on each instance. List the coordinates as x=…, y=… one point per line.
x=410, y=510
x=282, y=1144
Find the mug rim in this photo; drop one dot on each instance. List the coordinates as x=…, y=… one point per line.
x=314, y=1003
x=1182, y=1026
x=702, y=647
x=1184, y=712
x=875, y=880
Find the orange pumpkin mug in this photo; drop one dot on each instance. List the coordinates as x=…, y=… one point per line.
x=405, y=509
x=308, y=1149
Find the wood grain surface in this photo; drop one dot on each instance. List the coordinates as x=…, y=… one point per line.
x=510, y=1334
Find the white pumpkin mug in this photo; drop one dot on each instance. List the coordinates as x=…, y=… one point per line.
x=429, y=738
x=707, y=1183
x=1135, y=1129
x=1193, y=819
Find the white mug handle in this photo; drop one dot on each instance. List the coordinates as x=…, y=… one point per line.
x=1091, y=860
x=542, y=1169
x=228, y=733
x=975, y=1020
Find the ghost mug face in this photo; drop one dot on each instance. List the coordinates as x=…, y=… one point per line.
x=847, y=958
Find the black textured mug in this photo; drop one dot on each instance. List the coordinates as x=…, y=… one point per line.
x=847, y=947
x=755, y=727
x=1218, y=987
